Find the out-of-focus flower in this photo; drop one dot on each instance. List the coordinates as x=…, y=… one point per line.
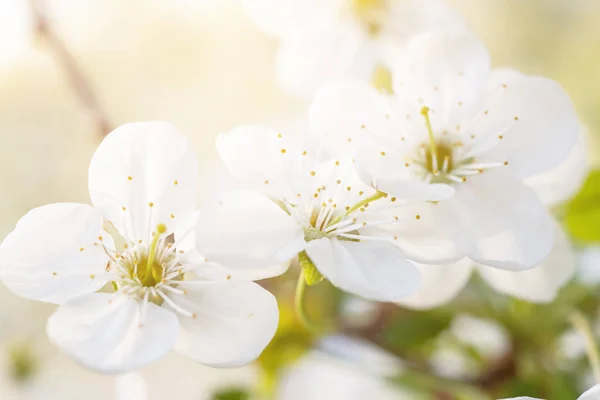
x=321, y=41
x=453, y=123
x=467, y=345
x=451, y=362
x=345, y=370
x=142, y=182
x=589, y=265
x=321, y=210
x=591, y=394
x=488, y=337
x=358, y=312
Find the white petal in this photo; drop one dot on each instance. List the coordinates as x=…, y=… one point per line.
x=233, y=323
x=536, y=119
x=271, y=161
x=131, y=386
x=440, y=284
x=539, y=284
x=373, y=270
x=346, y=114
x=51, y=256
x=446, y=72
x=561, y=183
x=318, y=376
x=150, y=170
x=249, y=234
x=105, y=332
x=591, y=394
x=498, y=221
x=341, y=51
x=419, y=234
x=409, y=18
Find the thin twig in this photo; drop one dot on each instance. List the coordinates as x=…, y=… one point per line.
x=74, y=74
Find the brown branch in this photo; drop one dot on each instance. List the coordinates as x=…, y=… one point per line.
x=74, y=74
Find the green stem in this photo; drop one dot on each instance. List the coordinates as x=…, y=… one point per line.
x=581, y=324
x=358, y=205
x=301, y=306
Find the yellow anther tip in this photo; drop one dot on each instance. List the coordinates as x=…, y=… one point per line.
x=161, y=228
x=424, y=110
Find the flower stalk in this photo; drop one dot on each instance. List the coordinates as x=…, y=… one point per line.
x=582, y=325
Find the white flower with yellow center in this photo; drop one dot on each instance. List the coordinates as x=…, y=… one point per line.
x=471, y=133
x=321, y=40
x=442, y=283
x=157, y=294
x=357, y=237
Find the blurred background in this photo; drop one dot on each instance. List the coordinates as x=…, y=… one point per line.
x=72, y=70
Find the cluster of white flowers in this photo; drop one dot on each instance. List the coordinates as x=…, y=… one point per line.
x=393, y=197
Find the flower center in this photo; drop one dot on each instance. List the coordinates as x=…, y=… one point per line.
x=448, y=159
x=371, y=14
x=149, y=271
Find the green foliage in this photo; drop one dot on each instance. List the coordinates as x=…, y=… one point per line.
x=413, y=329
x=583, y=212
x=231, y=394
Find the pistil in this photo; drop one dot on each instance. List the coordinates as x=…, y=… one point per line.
x=148, y=277
x=432, y=142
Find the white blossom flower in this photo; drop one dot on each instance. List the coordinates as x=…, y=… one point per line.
x=591, y=394
x=315, y=205
x=442, y=283
x=337, y=39
x=142, y=182
x=342, y=374
x=455, y=124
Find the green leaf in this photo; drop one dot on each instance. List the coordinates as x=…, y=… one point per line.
x=311, y=274
x=411, y=330
x=583, y=212
x=231, y=394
